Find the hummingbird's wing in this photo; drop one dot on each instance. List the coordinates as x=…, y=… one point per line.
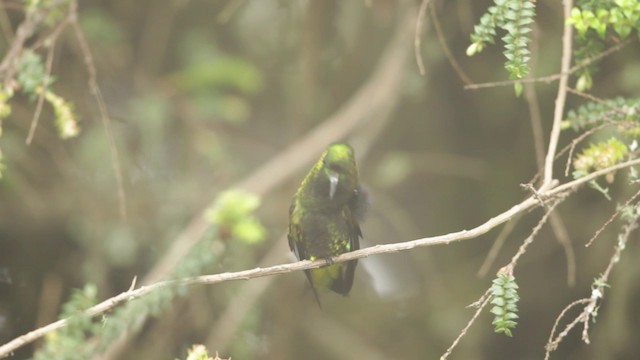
x=343, y=284
x=295, y=235
x=297, y=245
x=354, y=212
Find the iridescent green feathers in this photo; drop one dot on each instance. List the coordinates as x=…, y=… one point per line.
x=323, y=218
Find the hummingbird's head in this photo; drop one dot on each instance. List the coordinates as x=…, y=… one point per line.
x=339, y=167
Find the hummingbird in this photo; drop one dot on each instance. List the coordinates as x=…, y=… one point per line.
x=324, y=218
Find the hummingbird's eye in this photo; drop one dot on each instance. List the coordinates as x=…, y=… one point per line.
x=333, y=166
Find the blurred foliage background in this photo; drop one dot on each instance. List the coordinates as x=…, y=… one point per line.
x=202, y=93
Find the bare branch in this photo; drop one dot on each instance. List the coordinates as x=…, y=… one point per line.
x=597, y=292
x=102, y=107
x=230, y=319
x=562, y=94
x=610, y=220
x=498, y=243
x=554, y=77
x=561, y=233
x=40, y=103
x=443, y=43
x=551, y=344
x=531, y=98
x=571, y=147
x=417, y=39
x=531, y=237
x=483, y=301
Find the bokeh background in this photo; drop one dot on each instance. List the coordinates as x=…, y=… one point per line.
x=203, y=93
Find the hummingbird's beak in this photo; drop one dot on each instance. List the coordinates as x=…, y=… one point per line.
x=333, y=184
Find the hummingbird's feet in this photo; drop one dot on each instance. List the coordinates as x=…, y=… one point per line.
x=329, y=261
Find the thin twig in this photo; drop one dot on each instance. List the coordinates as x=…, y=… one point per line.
x=576, y=141
x=562, y=235
x=26, y=29
x=50, y=43
x=565, y=149
x=531, y=98
x=102, y=108
x=620, y=246
x=611, y=218
x=551, y=343
x=538, y=141
x=483, y=301
x=529, y=240
x=498, y=243
x=228, y=321
x=509, y=268
x=5, y=25
x=40, y=103
x=554, y=77
x=443, y=43
x=597, y=292
x=417, y=39
x=557, y=225
x=596, y=100
x=50, y=38
x=562, y=94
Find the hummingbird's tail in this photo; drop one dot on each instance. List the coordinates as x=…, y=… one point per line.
x=313, y=288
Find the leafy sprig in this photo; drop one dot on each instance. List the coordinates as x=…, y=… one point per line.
x=232, y=212
x=594, y=113
x=600, y=156
x=69, y=342
x=34, y=81
x=514, y=17
x=593, y=21
x=597, y=157
x=504, y=298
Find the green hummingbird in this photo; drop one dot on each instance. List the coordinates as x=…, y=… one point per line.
x=324, y=216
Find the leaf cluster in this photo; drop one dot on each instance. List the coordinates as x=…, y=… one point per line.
x=594, y=20
x=623, y=16
x=232, y=213
x=73, y=341
x=514, y=17
x=504, y=298
x=32, y=75
x=600, y=156
x=69, y=342
x=200, y=352
x=34, y=81
x=617, y=110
